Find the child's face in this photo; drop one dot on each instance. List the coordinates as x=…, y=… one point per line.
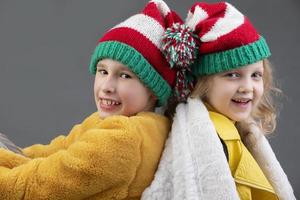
x=118, y=91
x=235, y=93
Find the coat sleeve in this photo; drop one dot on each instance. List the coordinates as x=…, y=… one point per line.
x=59, y=143
x=103, y=161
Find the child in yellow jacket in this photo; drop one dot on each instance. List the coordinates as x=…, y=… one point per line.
x=232, y=105
x=114, y=152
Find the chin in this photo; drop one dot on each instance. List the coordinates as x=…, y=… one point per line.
x=240, y=118
x=103, y=115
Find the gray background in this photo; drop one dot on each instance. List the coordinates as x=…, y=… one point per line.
x=45, y=47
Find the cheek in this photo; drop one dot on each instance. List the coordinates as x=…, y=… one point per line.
x=98, y=82
x=96, y=85
x=217, y=92
x=259, y=91
x=130, y=91
x=136, y=94
x=212, y=97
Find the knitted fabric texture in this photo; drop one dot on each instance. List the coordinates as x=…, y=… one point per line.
x=180, y=49
x=136, y=43
x=227, y=39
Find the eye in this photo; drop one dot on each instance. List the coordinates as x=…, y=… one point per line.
x=257, y=75
x=232, y=75
x=101, y=71
x=125, y=76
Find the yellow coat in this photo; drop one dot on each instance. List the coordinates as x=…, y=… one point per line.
x=250, y=181
x=114, y=158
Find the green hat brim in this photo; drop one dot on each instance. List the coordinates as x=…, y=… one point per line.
x=231, y=59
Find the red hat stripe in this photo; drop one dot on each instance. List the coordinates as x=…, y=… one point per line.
x=162, y=7
x=152, y=11
x=172, y=18
x=214, y=9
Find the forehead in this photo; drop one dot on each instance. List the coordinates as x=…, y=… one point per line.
x=252, y=67
x=255, y=66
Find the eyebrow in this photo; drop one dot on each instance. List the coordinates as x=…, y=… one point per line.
x=100, y=65
x=123, y=68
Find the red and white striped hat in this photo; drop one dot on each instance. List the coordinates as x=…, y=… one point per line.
x=137, y=43
x=226, y=38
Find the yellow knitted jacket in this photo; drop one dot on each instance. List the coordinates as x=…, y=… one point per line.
x=114, y=158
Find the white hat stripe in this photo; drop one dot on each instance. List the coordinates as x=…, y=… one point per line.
x=193, y=19
x=231, y=20
x=145, y=25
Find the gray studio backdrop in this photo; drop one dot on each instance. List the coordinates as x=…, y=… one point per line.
x=45, y=47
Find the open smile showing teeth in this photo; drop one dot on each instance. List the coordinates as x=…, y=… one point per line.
x=242, y=101
x=109, y=102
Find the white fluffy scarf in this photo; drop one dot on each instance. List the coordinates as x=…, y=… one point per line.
x=193, y=165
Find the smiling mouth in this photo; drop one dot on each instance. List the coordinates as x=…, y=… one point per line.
x=241, y=101
x=109, y=102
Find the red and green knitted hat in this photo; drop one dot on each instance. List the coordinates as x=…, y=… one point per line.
x=137, y=43
x=226, y=38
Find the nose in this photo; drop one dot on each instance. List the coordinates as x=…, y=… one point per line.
x=246, y=85
x=109, y=84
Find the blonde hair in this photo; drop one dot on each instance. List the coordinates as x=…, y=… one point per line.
x=265, y=112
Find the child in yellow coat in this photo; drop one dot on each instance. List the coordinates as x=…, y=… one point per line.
x=114, y=152
x=231, y=104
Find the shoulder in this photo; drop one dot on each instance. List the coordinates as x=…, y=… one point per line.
x=150, y=122
x=150, y=117
x=140, y=122
x=92, y=119
x=139, y=117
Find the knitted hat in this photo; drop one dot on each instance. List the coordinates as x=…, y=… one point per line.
x=226, y=38
x=137, y=43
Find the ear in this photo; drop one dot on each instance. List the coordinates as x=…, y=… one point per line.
x=153, y=99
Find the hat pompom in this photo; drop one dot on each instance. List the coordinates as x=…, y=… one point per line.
x=179, y=45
